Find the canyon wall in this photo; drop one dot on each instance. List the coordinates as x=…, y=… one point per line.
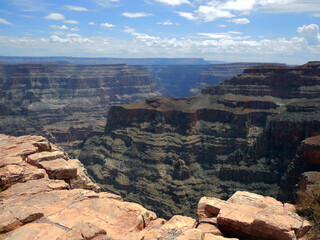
x=241, y=135
x=65, y=102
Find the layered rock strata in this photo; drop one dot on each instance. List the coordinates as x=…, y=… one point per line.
x=65, y=102
x=241, y=135
x=37, y=205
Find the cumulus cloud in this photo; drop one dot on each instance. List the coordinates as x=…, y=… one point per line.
x=107, y=25
x=310, y=33
x=166, y=22
x=136, y=14
x=211, y=10
x=70, y=38
x=63, y=27
x=239, y=20
x=187, y=15
x=75, y=29
x=173, y=2
x=210, y=13
x=92, y=23
x=71, y=21
x=55, y=16
x=76, y=8
x=3, y=21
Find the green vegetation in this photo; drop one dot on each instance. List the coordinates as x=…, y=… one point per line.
x=308, y=206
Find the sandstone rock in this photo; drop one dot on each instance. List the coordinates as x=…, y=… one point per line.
x=82, y=179
x=252, y=216
x=213, y=237
x=208, y=228
x=11, y=174
x=33, y=231
x=209, y=207
x=85, y=231
x=176, y=227
x=36, y=158
x=59, y=169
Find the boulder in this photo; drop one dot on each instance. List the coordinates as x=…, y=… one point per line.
x=252, y=216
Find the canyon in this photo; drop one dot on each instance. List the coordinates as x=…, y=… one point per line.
x=65, y=102
x=248, y=133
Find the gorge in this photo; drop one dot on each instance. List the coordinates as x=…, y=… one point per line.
x=166, y=153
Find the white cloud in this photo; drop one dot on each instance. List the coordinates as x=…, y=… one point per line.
x=70, y=38
x=76, y=8
x=187, y=15
x=71, y=21
x=239, y=20
x=136, y=14
x=210, y=13
x=3, y=21
x=316, y=15
x=173, y=2
x=166, y=22
x=294, y=50
x=55, y=16
x=107, y=25
x=92, y=23
x=63, y=27
x=75, y=29
x=106, y=3
x=310, y=33
x=211, y=10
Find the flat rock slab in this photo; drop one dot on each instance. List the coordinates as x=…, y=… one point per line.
x=59, y=169
x=252, y=216
x=36, y=158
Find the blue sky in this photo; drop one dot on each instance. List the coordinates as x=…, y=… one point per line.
x=284, y=31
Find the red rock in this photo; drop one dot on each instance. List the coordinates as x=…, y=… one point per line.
x=36, y=158
x=209, y=207
x=34, y=231
x=247, y=215
x=86, y=231
x=59, y=169
x=11, y=174
x=209, y=228
x=81, y=180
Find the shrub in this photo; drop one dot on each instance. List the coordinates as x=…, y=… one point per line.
x=308, y=206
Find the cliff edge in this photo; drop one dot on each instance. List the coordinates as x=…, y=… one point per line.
x=46, y=195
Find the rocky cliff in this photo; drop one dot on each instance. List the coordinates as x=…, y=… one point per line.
x=46, y=195
x=65, y=102
x=241, y=135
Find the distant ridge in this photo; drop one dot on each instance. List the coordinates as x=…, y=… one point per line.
x=90, y=61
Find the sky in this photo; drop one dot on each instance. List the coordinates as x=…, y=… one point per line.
x=284, y=31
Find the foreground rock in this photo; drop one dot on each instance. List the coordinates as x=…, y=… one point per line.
x=251, y=216
x=49, y=201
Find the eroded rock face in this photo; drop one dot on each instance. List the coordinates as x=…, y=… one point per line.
x=65, y=102
x=240, y=135
x=27, y=158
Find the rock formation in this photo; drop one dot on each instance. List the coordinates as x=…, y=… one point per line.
x=240, y=135
x=65, y=102
x=55, y=203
